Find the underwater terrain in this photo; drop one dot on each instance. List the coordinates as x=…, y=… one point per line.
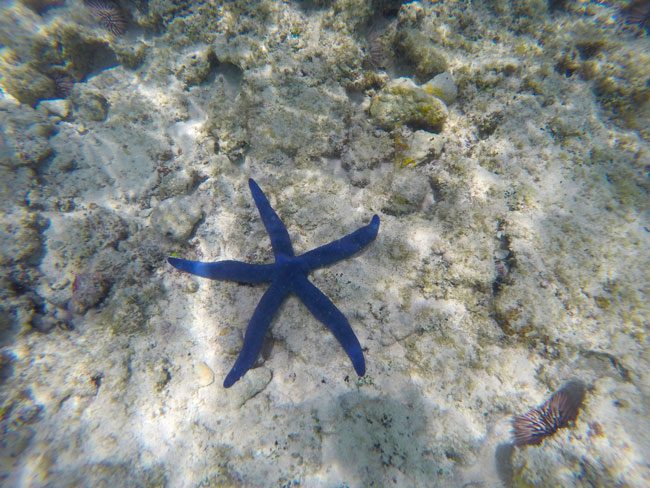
x=502, y=309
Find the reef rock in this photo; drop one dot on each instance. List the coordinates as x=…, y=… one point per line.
x=402, y=102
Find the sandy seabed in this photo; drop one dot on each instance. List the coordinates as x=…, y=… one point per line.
x=505, y=147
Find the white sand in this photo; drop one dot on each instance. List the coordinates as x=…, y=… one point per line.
x=512, y=254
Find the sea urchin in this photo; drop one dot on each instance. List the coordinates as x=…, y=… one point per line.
x=558, y=411
x=63, y=84
x=110, y=15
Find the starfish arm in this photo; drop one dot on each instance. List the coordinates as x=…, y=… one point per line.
x=255, y=332
x=341, y=248
x=324, y=310
x=280, y=240
x=226, y=270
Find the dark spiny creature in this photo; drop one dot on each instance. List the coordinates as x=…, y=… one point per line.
x=377, y=55
x=109, y=14
x=558, y=411
x=63, y=84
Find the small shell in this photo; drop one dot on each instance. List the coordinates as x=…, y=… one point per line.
x=204, y=375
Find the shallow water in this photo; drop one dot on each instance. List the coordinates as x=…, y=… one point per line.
x=501, y=310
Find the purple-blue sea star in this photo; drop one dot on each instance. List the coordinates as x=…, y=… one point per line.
x=288, y=274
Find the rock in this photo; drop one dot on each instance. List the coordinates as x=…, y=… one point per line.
x=176, y=218
x=204, y=375
x=402, y=102
x=20, y=239
x=442, y=86
x=250, y=385
x=417, y=147
x=418, y=50
x=91, y=106
x=196, y=68
x=60, y=108
x=408, y=191
x=88, y=289
x=26, y=84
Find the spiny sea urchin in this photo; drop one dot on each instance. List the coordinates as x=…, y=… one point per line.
x=63, y=84
x=110, y=15
x=558, y=411
x=377, y=53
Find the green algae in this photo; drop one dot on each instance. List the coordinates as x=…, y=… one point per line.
x=402, y=102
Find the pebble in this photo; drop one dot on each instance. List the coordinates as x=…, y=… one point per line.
x=253, y=382
x=192, y=287
x=60, y=108
x=443, y=86
x=204, y=375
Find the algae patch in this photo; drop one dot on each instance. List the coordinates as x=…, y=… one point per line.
x=402, y=102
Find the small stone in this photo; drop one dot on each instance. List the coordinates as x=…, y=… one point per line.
x=204, y=375
x=408, y=191
x=442, y=86
x=60, y=108
x=250, y=385
x=418, y=147
x=196, y=68
x=176, y=217
x=418, y=50
x=88, y=289
x=91, y=106
x=192, y=287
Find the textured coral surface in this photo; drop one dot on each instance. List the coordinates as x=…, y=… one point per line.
x=505, y=146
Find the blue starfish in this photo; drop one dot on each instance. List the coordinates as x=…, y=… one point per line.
x=287, y=275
